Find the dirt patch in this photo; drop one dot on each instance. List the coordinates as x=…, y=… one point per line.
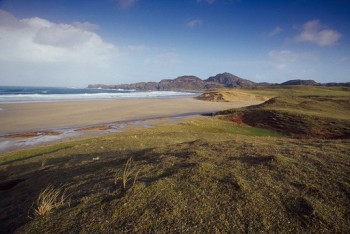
x=235, y=118
x=31, y=134
x=95, y=128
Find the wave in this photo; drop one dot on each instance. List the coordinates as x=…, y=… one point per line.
x=45, y=97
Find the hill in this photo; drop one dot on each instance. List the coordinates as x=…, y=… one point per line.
x=219, y=81
x=300, y=82
x=185, y=83
x=230, y=81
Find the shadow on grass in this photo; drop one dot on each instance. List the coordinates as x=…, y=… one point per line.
x=254, y=160
x=80, y=174
x=34, y=155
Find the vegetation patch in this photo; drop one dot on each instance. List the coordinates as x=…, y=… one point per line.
x=315, y=116
x=49, y=199
x=229, y=96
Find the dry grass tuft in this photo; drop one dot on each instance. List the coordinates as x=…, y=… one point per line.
x=49, y=199
x=129, y=170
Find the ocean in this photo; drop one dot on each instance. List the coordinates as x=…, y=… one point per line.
x=16, y=94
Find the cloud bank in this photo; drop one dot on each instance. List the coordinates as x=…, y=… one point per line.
x=35, y=51
x=39, y=40
x=314, y=32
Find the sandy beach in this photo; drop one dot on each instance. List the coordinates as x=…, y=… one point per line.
x=25, y=125
x=23, y=117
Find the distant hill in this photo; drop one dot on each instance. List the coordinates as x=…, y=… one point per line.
x=186, y=83
x=230, y=81
x=182, y=83
x=300, y=82
x=312, y=82
x=194, y=83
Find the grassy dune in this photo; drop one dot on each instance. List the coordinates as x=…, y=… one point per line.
x=302, y=111
x=205, y=175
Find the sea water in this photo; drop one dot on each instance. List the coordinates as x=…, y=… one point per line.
x=15, y=94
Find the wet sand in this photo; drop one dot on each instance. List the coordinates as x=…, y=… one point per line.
x=26, y=117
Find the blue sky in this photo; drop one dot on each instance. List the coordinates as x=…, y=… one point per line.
x=75, y=43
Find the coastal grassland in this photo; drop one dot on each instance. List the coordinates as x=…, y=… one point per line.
x=204, y=175
x=265, y=93
x=320, y=112
x=280, y=167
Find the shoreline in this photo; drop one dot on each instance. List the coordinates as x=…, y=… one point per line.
x=25, y=125
x=28, y=140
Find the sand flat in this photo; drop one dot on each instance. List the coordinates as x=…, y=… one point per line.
x=22, y=117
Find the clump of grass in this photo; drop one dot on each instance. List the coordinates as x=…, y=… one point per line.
x=129, y=170
x=49, y=199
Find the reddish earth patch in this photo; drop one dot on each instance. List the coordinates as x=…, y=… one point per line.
x=32, y=134
x=235, y=118
x=95, y=128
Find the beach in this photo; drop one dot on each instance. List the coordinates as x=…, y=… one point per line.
x=23, y=117
x=24, y=125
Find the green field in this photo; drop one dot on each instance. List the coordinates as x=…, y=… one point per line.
x=282, y=167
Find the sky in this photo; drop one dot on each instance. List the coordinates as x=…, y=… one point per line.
x=75, y=43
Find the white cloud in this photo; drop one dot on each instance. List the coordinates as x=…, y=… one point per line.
x=135, y=48
x=280, y=59
x=125, y=4
x=86, y=26
x=314, y=32
x=193, y=23
x=39, y=40
x=277, y=30
x=208, y=1
x=35, y=51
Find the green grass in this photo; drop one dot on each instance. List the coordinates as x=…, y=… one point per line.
x=300, y=91
x=206, y=175
x=303, y=112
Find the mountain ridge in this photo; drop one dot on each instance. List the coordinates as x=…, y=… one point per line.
x=194, y=83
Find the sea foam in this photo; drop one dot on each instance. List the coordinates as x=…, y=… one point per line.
x=67, y=94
